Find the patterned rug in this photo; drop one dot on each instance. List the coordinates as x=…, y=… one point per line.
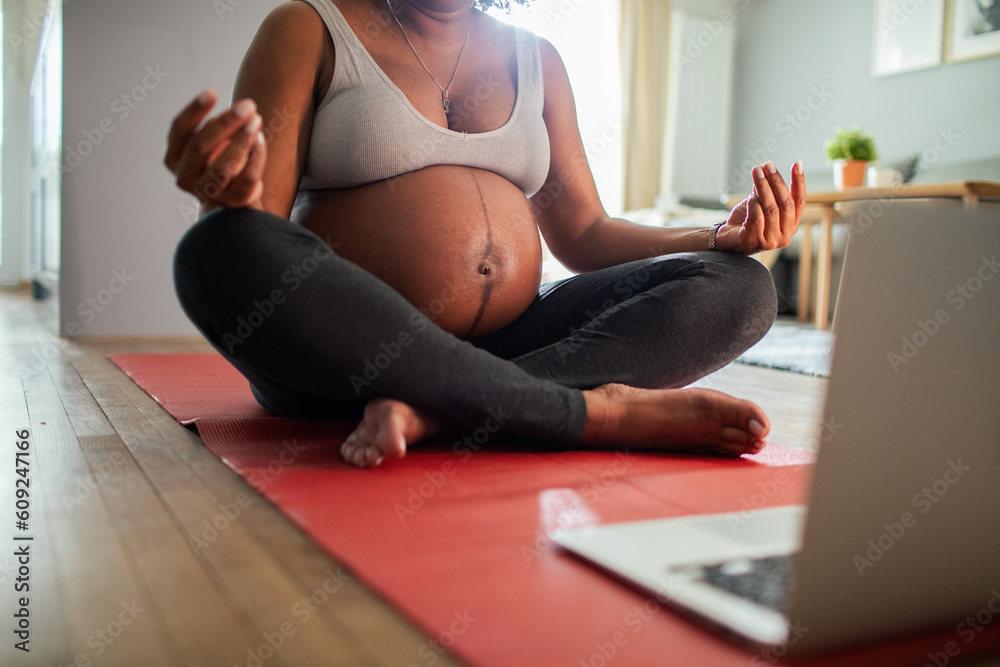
x=789, y=347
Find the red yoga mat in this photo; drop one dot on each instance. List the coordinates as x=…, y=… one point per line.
x=457, y=539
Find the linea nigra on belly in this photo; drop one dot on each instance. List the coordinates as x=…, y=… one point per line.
x=484, y=266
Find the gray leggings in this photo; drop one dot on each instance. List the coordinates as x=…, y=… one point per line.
x=318, y=336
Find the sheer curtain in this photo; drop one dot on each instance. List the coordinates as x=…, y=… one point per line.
x=645, y=57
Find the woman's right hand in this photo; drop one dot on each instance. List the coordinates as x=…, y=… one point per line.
x=222, y=161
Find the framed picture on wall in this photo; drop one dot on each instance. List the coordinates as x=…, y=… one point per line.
x=908, y=35
x=973, y=29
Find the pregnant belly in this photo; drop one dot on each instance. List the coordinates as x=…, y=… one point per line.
x=460, y=244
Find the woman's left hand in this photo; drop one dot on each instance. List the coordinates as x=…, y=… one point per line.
x=769, y=217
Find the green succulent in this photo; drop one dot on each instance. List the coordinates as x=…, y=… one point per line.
x=851, y=144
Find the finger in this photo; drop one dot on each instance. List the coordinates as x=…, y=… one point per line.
x=230, y=162
x=739, y=213
x=784, y=201
x=798, y=190
x=247, y=187
x=754, y=227
x=772, y=219
x=207, y=143
x=184, y=125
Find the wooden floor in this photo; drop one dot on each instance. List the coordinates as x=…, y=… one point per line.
x=117, y=488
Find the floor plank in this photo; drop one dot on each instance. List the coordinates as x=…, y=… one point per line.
x=48, y=641
x=113, y=618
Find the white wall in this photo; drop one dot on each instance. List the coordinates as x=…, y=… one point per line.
x=121, y=213
x=793, y=53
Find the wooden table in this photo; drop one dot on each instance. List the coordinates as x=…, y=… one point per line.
x=822, y=209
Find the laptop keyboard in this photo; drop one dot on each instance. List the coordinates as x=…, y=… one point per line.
x=766, y=581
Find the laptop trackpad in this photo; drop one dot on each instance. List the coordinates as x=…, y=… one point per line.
x=779, y=524
x=717, y=537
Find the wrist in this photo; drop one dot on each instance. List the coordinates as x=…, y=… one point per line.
x=713, y=235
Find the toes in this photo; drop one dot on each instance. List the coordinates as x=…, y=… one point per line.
x=745, y=415
x=358, y=456
x=347, y=451
x=736, y=442
x=372, y=457
x=366, y=448
x=354, y=452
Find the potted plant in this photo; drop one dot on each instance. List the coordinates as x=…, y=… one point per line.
x=850, y=151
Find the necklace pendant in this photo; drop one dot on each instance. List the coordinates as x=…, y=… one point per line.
x=446, y=103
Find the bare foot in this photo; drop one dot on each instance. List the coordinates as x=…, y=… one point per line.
x=386, y=429
x=689, y=420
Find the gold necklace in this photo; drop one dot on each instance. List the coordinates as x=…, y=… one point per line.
x=445, y=102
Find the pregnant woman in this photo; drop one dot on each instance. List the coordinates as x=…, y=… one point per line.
x=371, y=247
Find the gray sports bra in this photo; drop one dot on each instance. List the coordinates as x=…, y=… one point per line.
x=365, y=130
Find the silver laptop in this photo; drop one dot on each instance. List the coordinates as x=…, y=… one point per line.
x=902, y=530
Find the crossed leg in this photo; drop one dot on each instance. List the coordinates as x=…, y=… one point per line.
x=632, y=333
